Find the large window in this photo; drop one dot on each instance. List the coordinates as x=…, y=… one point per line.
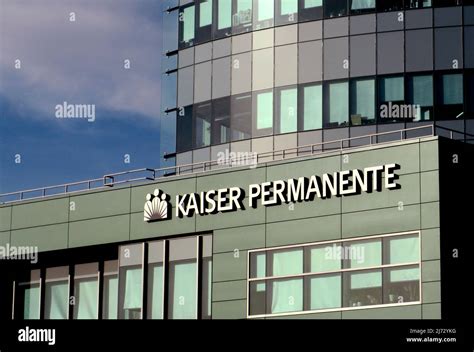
x=335, y=275
x=449, y=96
x=186, y=26
x=56, y=300
x=286, y=110
x=391, y=98
x=184, y=129
x=221, y=121
x=202, y=124
x=362, y=98
x=263, y=13
x=389, y=5
x=311, y=107
x=130, y=281
x=335, y=8
x=336, y=104
x=241, y=116
x=86, y=291
x=470, y=95
x=242, y=16
x=417, y=4
x=28, y=296
x=262, y=113
x=223, y=18
x=110, y=290
x=362, y=6
x=420, y=96
x=203, y=21
x=156, y=280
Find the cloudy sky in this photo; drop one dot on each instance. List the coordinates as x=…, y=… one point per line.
x=78, y=62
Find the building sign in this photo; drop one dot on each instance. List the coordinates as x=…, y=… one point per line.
x=302, y=189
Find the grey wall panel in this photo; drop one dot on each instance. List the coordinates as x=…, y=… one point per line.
x=186, y=57
x=448, y=16
x=336, y=56
x=202, y=82
x=419, y=50
x=338, y=27
x=221, y=48
x=185, y=86
x=262, y=69
x=362, y=24
x=363, y=55
x=286, y=34
x=221, y=77
x=203, y=53
x=310, y=31
x=241, y=73
x=310, y=61
x=469, y=47
x=448, y=48
x=241, y=43
x=390, y=21
x=390, y=52
x=286, y=65
x=422, y=18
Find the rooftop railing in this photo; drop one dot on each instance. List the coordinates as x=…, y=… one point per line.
x=252, y=159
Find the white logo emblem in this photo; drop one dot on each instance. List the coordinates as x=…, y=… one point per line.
x=156, y=206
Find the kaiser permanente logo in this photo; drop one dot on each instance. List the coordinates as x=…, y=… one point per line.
x=302, y=189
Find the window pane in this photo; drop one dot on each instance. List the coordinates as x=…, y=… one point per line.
x=264, y=13
x=183, y=290
x=205, y=13
x=310, y=10
x=263, y=113
x=337, y=101
x=420, y=93
x=362, y=288
x=389, y=5
x=363, y=254
x=221, y=121
x=288, y=7
x=224, y=14
x=391, y=89
x=362, y=101
x=325, y=258
x=31, y=300
x=312, y=101
x=130, y=281
x=325, y=292
x=287, y=295
x=403, y=249
x=417, y=4
x=335, y=8
x=241, y=121
x=287, y=262
x=257, y=265
x=110, y=297
x=288, y=110
x=286, y=12
x=202, y=113
x=186, y=26
x=402, y=285
x=449, y=95
x=86, y=298
x=184, y=129
x=242, y=18
x=56, y=293
x=257, y=297
x=206, y=272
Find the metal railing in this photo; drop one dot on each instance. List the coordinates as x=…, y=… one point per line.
x=148, y=174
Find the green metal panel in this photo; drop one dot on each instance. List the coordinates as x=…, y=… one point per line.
x=46, y=238
x=409, y=193
x=303, y=231
x=429, y=215
x=40, y=213
x=243, y=237
x=293, y=211
x=406, y=155
x=229, y=310
x=249, y=216
x=432, y=311
x=229, y=266
x=229, y=290
x=327, y=315
x=430, y=244
x=380, y=221
x=88, y=206
x=98, y=231
x=429, y=155
x=431, y=292
x=5, y=218
x=141, y=229
x=239, y=178
x=431, y=271
x=4, y=238
x=172, y=188
x=403, y=312
x=430, y=186
x=295, y=169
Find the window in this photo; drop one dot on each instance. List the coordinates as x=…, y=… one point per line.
x=221, y=132
x=263, y=14
x=262, y=113
x=389, y=5
x=242, y=16
x=206, y=277
x=391, y=98
x=335, y=8
x=130, y=281
x=28, y=296
x=286, y=12
x=170, y=36
x=287, y=110
x=445, y=3
x=86, y=291
x=417, y=4
x=449, y=96
x=241, y=118
x=110, y=293
x=56, y=300
x=420, y=95
x=155, y=280
x=184, y=129
x=332, y=275
x=310, y=10
x=204, y=21
x=202, y=124
x=336, y=102
x=362, y=100
x=182, y=275
x=470, y=95
x=362, y=6
x=186, y=26
x=223, y=21
x=311, y=107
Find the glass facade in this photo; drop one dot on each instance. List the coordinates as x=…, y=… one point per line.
x=335, y=275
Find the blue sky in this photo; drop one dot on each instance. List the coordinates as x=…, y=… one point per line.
x=80, y=62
